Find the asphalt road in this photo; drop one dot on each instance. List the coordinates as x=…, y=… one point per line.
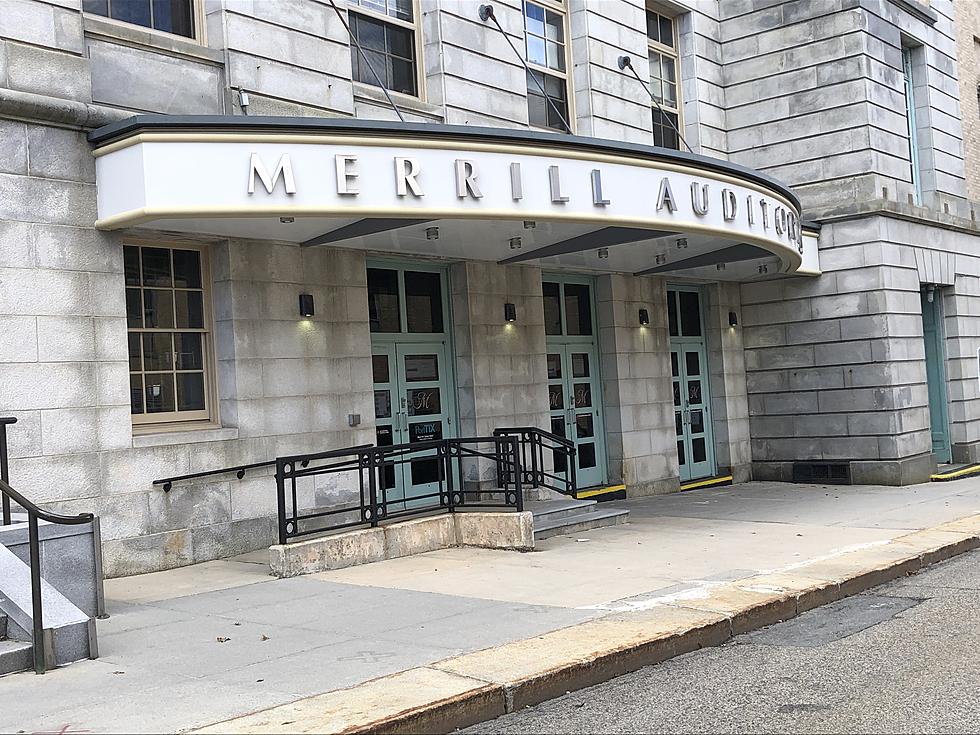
x=904, y=657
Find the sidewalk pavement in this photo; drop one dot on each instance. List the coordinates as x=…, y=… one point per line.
x=204, y=644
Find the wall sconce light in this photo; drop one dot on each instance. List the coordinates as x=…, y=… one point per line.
x=287, y=220
x=530, y=224
x=306, y=304
x=644, y=317
x=603, y=253
x=510, y=312
x=930, y=293
x=431, y=233
x=515, y=243
x=732, y=319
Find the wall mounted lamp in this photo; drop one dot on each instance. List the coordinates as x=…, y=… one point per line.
x=644, y=317
x=431, y=233
x=510, y=312
x=515, y=243
x=732, y=319
x=306, y=304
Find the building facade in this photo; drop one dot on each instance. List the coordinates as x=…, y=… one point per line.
x=752, y=250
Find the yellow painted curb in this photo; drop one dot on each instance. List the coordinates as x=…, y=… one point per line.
x=973, y=469
x=480, y=686
x=600, y=491
x=710, y=482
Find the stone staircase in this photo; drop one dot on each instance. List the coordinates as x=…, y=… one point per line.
x=14, y=655
x=70, y=561
x=561, y=516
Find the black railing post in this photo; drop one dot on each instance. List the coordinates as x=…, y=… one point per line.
x=4, y=469
x=281, y=499
x=40, y=664
x=518, y=470
x=377, y=467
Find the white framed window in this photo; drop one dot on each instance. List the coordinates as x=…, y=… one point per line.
x=547, y=56
x=664, y=86
x=168, y=317
x=386, y=31
x=179, y=17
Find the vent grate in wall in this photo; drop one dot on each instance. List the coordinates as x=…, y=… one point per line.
x=829, y=473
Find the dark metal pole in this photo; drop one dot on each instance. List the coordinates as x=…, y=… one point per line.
x=626, y=63
x=486, y=13
x=360, y=50
x=281, y=500
x=4, y=469
x=40, y=665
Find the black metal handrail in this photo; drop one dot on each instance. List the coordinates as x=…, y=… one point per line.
x=535, y=447
x=34, y=513
x=238, y=469
x=454, y=465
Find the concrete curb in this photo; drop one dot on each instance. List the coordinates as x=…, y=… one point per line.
x=479, y=686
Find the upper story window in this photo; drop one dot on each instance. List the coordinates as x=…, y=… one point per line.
x=662, y=50
x=547, y=81
x=385, y=29
x=170, y=16
x=913, y=128
x=170, y=373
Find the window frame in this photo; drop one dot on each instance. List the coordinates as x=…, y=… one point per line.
x=416, y=30
x=197, y=18
x=674, y=54
x=177, y=420
x=556, y=6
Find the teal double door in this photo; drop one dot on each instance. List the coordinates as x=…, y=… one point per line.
x=414, y=386
x=934, y=336
x=689, y=383
x=574, y=385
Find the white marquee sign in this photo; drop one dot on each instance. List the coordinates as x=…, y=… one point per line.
x=179, y=175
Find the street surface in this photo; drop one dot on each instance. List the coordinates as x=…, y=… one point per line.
x=904, y=657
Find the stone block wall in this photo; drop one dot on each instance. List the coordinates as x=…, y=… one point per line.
x=500, y=367
x=834, y=110
x=637, y=395
x=967, y=17
x=726, y=366
x=836, y=366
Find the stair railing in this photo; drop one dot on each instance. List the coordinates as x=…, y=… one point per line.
x=39, y=643
x=547, y=459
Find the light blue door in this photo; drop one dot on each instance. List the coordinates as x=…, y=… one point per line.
x=414, y=387
x=574, y=385
x=689, y=382
x=934, y=336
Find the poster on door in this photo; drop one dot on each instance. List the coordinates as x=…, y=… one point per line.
x=424, y=431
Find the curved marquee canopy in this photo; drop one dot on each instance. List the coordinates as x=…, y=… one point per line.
x=456, y=191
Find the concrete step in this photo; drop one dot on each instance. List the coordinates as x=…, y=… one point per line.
x=15, y=656
x=548, y=510
x=69, y=632
x=578, y=522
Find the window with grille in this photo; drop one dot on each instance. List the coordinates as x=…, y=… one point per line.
x=168, y=323
x=662, y=51
x=547, y=81
x=385, y=29
x=170, y=16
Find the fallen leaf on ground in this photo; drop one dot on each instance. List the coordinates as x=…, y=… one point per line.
x=222, y=639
